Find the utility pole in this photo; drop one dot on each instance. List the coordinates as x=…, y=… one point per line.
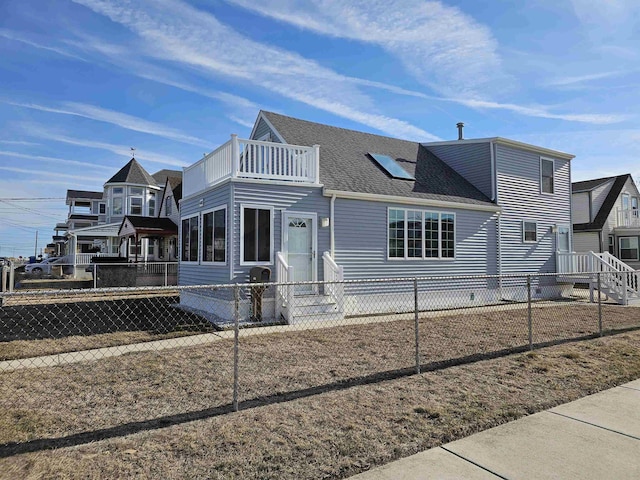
x=35, y=252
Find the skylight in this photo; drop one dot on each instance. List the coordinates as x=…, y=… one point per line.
x=391, y=167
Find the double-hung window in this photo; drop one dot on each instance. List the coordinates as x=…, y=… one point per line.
x=116, y=200
x=417, y=234
x=529, y=232
x=256, y=224
x=546, y=175
x=135, y=200
x=628, y=248
x=190, y=239
x=151, y=204
x=214, y=235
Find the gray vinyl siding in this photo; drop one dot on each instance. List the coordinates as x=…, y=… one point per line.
x=472, y=161
x=263, y=129
x=361, y=230
x=518, y=182
x=282, y=198
x=205, y=274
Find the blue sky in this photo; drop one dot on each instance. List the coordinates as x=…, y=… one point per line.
x=83, y=81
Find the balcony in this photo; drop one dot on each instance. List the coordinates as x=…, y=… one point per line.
x=628, y=218
x=253, y=159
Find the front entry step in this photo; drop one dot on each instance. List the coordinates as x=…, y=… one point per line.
x=314, y=309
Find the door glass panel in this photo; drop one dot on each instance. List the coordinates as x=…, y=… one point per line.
x=563, y=239
x=300, y=246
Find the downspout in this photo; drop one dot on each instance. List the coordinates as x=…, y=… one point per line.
x=332, y=227
x=494, y=192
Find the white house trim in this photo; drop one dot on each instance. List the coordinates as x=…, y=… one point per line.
x=271, y=234
x=374, y=197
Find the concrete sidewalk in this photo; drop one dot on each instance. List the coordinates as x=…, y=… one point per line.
x=596, y=437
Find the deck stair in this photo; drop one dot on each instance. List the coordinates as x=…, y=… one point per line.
x=618, y=280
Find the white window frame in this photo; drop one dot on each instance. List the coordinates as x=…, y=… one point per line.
x=226, y=235
x=637, y=248
x=168, y=207
x=553, y=175
x=622, y=199
x=152, y=194
x=271, y=209
x=190, y=262
x=524, y=240
x=424, y=240
x=129, y=211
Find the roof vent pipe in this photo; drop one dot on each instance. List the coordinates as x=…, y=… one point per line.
x=460, y=126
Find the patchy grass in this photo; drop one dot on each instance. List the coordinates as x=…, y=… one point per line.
x=327, y=435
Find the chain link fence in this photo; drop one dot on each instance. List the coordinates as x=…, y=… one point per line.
x=75, y=361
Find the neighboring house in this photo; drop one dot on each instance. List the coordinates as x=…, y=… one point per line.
x=109, y=222
x=316, y=202
x=606, y=218
x=169, y=208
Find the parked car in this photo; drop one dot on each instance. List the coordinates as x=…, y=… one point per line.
x=45, y=266
x=4, y=261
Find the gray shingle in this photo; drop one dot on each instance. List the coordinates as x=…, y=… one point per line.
x=133, y=172
x=345, y=165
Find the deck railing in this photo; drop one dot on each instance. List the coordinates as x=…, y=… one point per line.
x=239, y=158
x=628, y=218
x=334, y=278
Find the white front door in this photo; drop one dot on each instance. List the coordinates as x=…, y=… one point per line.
x=300, y=242
x=563, y=239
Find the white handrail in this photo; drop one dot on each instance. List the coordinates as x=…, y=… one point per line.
x=241, y=158
x=334, y=278
x=284, y=275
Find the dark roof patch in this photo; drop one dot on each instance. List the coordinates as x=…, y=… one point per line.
x=345, y=165
x=84, y=194
x=587, y=185
x=164, y=174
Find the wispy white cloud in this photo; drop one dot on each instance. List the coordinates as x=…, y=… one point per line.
x=439, y=44
x=18, y=142
x=18, y=37
x=53, y=160
x=119, y=119
x=211, y=48
x=580, y=79
x=543, y=112
x=40, y=132
x=47, y=173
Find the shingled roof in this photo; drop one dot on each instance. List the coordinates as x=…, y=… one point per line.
x=133, y=172
x=346, y=166
x=607, y=205
x=588, y=185
x=161, y=176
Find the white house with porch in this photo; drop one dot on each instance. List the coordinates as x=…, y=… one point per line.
x=313, y=202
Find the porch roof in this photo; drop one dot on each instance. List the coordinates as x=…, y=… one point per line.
x=147, y=226
x=98, y=231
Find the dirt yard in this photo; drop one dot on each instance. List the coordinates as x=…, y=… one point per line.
x=333, y=432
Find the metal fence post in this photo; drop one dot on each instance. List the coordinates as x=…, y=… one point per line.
x=236, y=335
x=95, y=276
x=417, y=331
x=166, y=274
x=530, y=322
x=599, y=307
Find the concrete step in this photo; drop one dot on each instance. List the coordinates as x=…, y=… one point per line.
x=319, y=318
x=300, y=300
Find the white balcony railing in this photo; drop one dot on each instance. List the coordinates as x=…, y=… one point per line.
x=628, y=218
x=240, y=158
